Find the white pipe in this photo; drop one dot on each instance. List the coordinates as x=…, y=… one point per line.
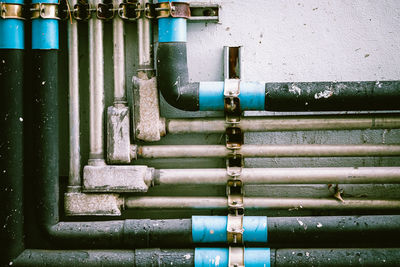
x=119, y=58
x=257, y=203
x=145, y=40
x=96, y=88
x=314, y=150
x=74, y=120
x=284, y=123
x=364, y=175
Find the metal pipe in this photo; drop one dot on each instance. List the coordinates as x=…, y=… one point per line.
x=198, y=257
x=363, y=175
x=74, y=120
x=257, y=203
x=96, y=88
x=145, y=40
x=285, y=123
x=119, y=58
x=138, y=257
x=11, y=145
x=220, y=151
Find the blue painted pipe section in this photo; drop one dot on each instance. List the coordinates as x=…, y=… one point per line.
x=257, y=257
x=172, y=29
x=209, y=229
x=219, y=257
x=252, y=95
x=12, y=31
x=207, y=257
x=212, y=229
x=255, y=229
x=45, y=31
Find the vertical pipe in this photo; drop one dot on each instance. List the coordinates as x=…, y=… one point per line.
x=145, y=41
x=96, y=88
x=119, y=58
x=45, y=118
x=11, y=141
x=74, y=121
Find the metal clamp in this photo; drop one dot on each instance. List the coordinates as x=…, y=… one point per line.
x=82, y=11
x=173, y=9
x=11, y=11
x=232, y=101
x=105, y=11
x=234, y=163
x=129, y=11
x=44, y=11
x=234, y=137
x=236, y=257
x=234, y=229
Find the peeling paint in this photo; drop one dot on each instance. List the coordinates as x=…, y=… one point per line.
x=295, y=89
x=324, y=94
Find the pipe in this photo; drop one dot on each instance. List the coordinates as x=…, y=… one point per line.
x=337, y=231
x=12, y=136
x=145, y=41
x=138, y=257
x=201, y=257
x=313, y=150
x=119, y=59
x=258, y=203
x=285, y=123
x=74, y=120
x=363, y=175
x=96, y=88
x=173, y=78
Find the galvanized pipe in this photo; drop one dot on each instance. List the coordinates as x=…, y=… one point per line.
x=258, y=203
x=285, y=123
x=145, y=40
x=96, y=88
x=364, y=175
x=74, y=121
x=215, y=151
x=119, y=58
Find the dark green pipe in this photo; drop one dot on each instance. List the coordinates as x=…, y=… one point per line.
x=185, y=257
x=11, y=153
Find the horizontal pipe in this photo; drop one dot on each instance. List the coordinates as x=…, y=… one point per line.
x=283, y=231
x=138, y=257
x=258, y=203
x=220, y=151
x=202, y=257
x=363, y=175
x=284, y=123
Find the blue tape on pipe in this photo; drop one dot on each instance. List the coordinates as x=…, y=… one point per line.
x=257, y=257
x=255, y=229
x=211, y=257
x=209, y=229
x=12, y=31
x=219, y=257
x=172, y=29
x=12, y=34
x=252, y=95
x=45, y=31
x=211, y=96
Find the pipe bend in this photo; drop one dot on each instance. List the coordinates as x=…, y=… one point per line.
x=173, y=77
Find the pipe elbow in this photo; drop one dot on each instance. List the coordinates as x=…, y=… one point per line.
x=173, y=77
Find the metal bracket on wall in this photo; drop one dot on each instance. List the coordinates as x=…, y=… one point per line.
x=204, y=12
x=236, y=257
x=44, y=11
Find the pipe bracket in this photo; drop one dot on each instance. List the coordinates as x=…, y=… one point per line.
x=82, y=11
x=172, y=9
x=129, y=11
x=11, y=11
x=236, y=257
x=234, y=229
x=44, y=11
